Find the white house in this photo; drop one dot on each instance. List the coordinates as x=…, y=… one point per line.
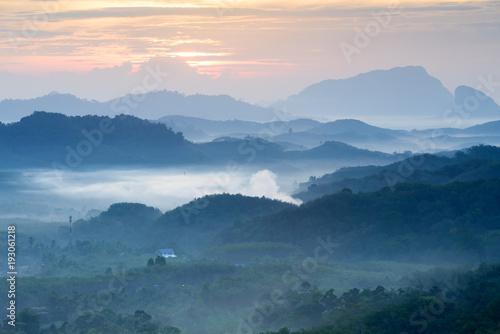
x=166, y=252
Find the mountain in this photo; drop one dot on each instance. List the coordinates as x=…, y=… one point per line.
x=402, y=92
x=213, y=211
x=219, y=107
x=50, y=139
x=347, y=126
x=411, y=222
x=468, y=165
x=14, y=110
x=199, y=129
x=45, y=140
x=489, y=128
x=337, y=150
x=352, y=132
x=118, y=223
x=251, y=149
x=247, y=150
x=475, y=104
x=152, y=105
x=190, y=226
x=302, y=134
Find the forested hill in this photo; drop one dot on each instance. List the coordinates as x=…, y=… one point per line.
x=45, y=138
x=126, y=222
x=195, y=225
x=410, y=222
x=191, y=226
x=213, y=211
x=471, y=164
x=48, y=140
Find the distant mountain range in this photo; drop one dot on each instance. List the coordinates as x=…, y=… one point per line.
x=199, y=129
x=42, y=139
x=51, y=139
x=152, y=105
x=401, y=93
x=471, y=164
x=301, y=134
x=397, y=95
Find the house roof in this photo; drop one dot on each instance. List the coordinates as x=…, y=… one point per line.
x=166, y=251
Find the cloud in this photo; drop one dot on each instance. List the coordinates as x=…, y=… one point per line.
x=257, y=52
x=263, y=183
x=76, y=192
x=102, y=83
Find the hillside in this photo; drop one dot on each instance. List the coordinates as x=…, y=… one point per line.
x=44, y=139
x=126, y=222
x=337, y=150
x=471, y=164
x=188, y=228
x=193, y=226
x=390, y=224
x=200, y=129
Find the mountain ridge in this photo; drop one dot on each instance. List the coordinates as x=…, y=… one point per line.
x=152, y=105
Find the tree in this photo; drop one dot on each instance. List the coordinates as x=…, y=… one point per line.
x=141, y=317
x=160, y=261
x=329, y=300
x=170, y=330
x=151, y=262
x=29, y=321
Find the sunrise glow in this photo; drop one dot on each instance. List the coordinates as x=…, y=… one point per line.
x=243, y=39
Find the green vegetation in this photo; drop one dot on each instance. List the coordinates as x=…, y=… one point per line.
x=449, y=223
x=469, y=303
x=472, y=164
x=42, y=138
x=39, y=140
x=410, y=258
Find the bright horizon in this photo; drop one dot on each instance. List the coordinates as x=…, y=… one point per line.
x=253, y=50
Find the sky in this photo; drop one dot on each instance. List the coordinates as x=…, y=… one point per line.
x=254, y=50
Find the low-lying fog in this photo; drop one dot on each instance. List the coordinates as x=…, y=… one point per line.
x=53, y=196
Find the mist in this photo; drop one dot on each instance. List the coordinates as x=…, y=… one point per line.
x=53, y=195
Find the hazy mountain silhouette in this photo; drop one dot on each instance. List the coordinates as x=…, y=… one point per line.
x=152, y=105
x=489, y=128
x=474, y=104
x=350, y=131
x=337, y=150
x=363, y=135
x=399, y=92
x=14, y=110
x=199, y=129
x=43, y=138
